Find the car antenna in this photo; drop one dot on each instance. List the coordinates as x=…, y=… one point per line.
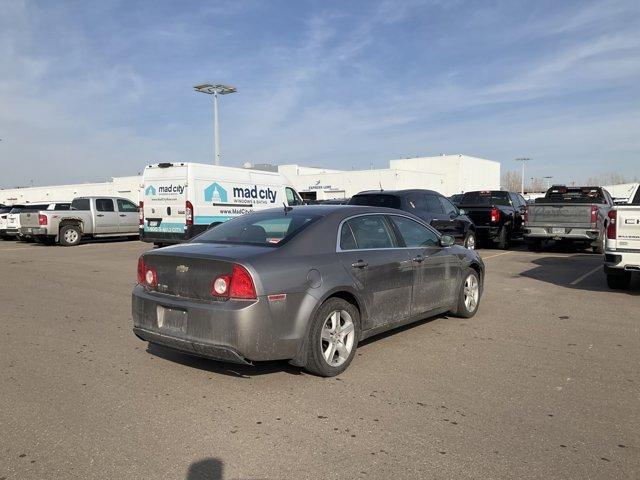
x=287, y=208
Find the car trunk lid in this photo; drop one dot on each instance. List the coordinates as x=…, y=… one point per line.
x=560, y=214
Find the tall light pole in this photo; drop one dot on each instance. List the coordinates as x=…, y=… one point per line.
x=548, y=177
x=215, y=90
x=523, y=160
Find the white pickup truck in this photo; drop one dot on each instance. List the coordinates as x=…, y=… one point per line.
x=87, y=217
x=622, y=248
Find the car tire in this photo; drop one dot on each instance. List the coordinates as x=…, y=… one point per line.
x=469, y=296
x=470, y=241
x=325, y=338
x=70, y=235
x=502, y=242
x=599, y=247
x=619, y=281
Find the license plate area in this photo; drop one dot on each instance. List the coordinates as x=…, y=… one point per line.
x=171, y=319
x=558, y=230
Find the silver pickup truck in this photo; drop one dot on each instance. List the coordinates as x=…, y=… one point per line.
x=87, y=217
x=569, y=215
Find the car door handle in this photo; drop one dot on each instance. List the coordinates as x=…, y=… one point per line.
x=360, y=264
x=123, y=215
x=418, y=259
x=99, y=215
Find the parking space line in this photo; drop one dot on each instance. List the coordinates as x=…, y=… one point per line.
x=497, y=255
x=588, y=274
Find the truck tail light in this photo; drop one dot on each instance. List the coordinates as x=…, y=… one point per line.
x=495, y=215
x=189, y=213
x=147, y=275
x=526, y=215
x=141, y=212
x=594, y=216
x=612, y=228
x=42, y=220
x=238, y=285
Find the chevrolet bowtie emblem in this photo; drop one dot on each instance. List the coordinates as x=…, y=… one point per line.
x=182, y=269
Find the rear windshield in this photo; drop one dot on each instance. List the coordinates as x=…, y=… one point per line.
x=29, y=208
x=266, y=229
x=573, y=195
x=5, y=209
x=376, y=200
x=485, y=198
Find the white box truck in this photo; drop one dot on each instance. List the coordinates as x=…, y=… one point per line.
x=181, y=200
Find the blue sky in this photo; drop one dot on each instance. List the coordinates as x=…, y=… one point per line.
x=90, y=90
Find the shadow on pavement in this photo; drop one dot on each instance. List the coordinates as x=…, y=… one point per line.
x=230, y=369
x=566, y=271
x=207, y=469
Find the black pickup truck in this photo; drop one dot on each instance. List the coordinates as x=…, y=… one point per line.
x=498, y=215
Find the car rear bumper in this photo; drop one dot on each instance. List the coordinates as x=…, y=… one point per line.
x=32, y=231
x=171, y=237
x=10, y=232
x=618, y=262
x=233, y=330
x=565, y=233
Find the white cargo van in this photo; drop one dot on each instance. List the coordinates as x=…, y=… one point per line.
x=181, y=200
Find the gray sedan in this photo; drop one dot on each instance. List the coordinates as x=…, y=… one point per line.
x=303, y=284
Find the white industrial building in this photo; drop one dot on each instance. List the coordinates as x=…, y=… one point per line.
x=447, y=174
x=125, y=187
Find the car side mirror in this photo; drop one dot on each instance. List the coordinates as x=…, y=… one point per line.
x=447, y=241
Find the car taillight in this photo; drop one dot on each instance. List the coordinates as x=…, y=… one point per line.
x=42, y=219
x=147, y=275
x=594, y=216
x=612, y=228
x=238, y=285
x=189, y=213
x=141, y=211
x=495, y=215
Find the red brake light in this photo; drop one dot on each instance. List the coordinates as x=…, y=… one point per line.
x=495, y=215
x=189, y=213
x=238, y=285
x=612, y=228
x=42, y=219
x=141, y=211
x=147, y=275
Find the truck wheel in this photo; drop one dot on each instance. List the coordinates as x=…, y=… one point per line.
x=599, y=247
x=619, y=282
x=333, y=338
x=502, y=242
x=534, y=245
x=70, y=235
x=469, y=296
x=470, y=241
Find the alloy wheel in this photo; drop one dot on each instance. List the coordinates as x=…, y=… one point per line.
x=471, y=293
x=337, y=337
x=71, y=236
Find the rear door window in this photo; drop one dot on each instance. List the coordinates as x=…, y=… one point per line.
x=376, y=200
x=449, y=208
x=347, y=240
x=413, y=233
x=433, y=203
x=485, y=198
x=126, y=206
x=104, y=205
x=81, y=204
x=372, y=231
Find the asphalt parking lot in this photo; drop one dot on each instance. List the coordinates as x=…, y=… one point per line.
x=542, y=383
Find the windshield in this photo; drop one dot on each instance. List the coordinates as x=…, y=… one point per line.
x=268, y=229
x=376, y=200
x=485, y=198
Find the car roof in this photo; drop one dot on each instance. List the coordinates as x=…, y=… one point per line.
x=331, y=210
x=397, y=193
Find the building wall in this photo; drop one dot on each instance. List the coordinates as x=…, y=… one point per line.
x=126, y=187
x=461, y=173
x=344, y=184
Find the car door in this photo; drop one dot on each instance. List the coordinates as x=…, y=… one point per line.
x=436, y=268
x=128, y=216
x=438, y=218
x=519, y=206
x=106, y=218
x=381, y=270
x=456, y=226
